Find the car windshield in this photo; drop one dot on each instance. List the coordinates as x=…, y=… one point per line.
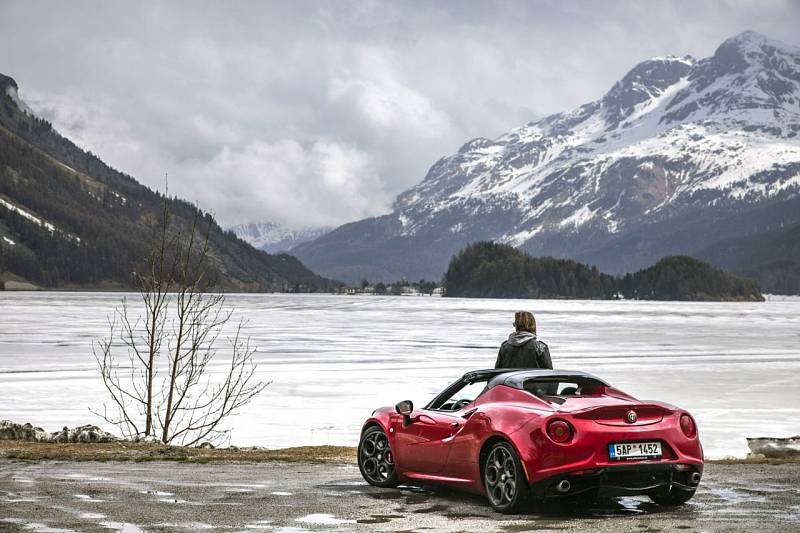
x=461, y=397
x=556, y=386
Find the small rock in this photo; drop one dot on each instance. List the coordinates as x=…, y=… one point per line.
x=26, y=432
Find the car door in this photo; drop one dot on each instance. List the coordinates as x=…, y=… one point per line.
x=423, y=445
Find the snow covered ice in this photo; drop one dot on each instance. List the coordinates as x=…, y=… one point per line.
x=333, y=359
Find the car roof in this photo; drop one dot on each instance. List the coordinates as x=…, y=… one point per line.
x=516, y=377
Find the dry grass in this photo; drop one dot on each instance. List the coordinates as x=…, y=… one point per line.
x=756, y=461
x=128, y=451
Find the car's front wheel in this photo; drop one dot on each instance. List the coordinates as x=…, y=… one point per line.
x=375, y=458
x=504, y=479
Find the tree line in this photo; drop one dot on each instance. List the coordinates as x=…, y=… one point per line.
x=492, y=270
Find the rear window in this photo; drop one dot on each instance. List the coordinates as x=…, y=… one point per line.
x=555, y=386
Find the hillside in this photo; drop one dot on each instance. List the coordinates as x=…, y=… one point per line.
x=675, y=145
x=68, y=220
x=771, y=257
x=688, y=279
x=491, y=270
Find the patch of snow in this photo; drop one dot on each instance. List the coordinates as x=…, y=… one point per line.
x=9, y=241
x=25, y=214
x=273, y=237
x=580, y=217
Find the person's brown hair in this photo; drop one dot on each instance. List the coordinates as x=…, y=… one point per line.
x=524, y=321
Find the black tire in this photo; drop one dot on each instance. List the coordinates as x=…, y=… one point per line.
x=504, y=479
x=672, y=498
x=375, y=458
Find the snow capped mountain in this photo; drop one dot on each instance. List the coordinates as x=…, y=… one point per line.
x=668, y=161
x=274, y=238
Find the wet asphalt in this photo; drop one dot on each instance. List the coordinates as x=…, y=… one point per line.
x=51, y=496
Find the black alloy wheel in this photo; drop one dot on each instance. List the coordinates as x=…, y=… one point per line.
x=504, y=479
x=375, y=458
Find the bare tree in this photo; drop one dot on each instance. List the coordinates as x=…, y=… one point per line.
x=158, y=365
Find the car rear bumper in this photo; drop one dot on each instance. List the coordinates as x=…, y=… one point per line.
x=620, y=480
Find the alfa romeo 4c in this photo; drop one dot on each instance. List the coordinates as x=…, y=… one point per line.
x=516, y=435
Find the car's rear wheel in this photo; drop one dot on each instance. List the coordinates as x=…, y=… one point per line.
x=673, y=497
x=375, y=458
x=504, y=479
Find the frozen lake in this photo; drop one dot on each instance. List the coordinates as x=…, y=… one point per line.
x=333, y=359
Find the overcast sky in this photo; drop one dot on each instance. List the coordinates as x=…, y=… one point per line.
x=319, y=113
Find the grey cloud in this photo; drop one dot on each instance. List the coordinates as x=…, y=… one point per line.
x=320, y=112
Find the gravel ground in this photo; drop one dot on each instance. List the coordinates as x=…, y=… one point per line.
x=49, y=496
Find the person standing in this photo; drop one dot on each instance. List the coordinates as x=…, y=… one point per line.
x=523, y=349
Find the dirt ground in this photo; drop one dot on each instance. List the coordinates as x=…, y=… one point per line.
x=132, y=497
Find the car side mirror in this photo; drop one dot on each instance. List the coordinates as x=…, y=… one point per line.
x=405, y=408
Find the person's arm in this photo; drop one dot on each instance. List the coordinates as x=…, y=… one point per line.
x=544, y=357
x=499, y=362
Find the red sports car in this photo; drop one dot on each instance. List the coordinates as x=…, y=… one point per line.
x=519, y=434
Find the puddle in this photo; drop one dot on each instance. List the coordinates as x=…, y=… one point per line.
x=92, y=516
x=35, y=526
x=192, y=526
x=379, y=518
x=11, y=497
x=735, y=496
x=156, y=492
x=261, y=524
x=432, y=509
x=122, y=527
x=347, y=484
x=323, y=519
x=172, y=500
x=87, y=498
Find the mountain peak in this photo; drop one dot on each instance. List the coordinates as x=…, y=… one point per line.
x=647, y=80
x=751, y=48
x=9, y=86
x=275, y=238
x=7, y=81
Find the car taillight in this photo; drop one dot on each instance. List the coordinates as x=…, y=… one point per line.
x=687, y=426
x=559, y=431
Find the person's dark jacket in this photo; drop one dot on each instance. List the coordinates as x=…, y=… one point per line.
x=523, y=350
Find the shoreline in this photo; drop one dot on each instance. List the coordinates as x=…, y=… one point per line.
x=122, y=451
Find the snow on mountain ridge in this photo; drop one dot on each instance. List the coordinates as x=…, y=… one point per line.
x=273, y=238
x=667, y=131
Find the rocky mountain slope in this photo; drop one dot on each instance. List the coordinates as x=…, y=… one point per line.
x=680, y=154
x=69, y=220
x=273, y=237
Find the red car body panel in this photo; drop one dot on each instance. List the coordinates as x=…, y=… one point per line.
x=445, y=447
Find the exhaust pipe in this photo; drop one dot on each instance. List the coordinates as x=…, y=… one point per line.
x=696, y=478
x=563, y=486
